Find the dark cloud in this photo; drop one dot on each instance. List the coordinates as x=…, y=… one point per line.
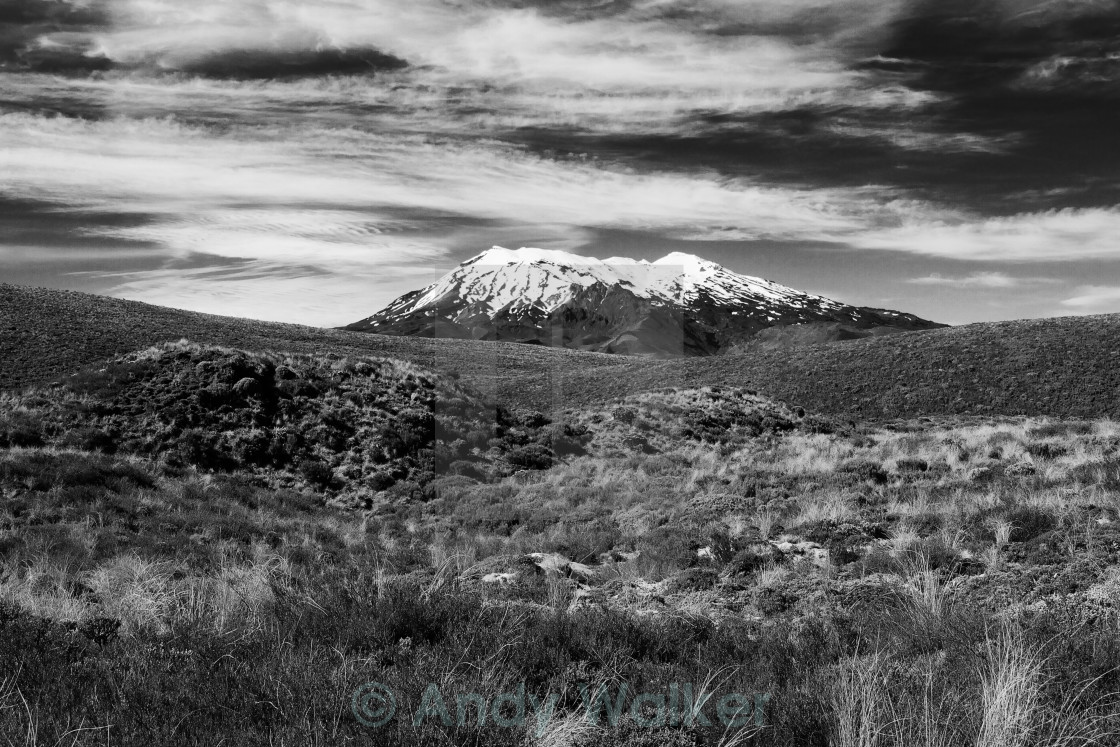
x=53, y=14
x=55, y=36
x=25, y=24
x=37, y=223
x=272, y=64
x=977, y=46
x=821, y=147
x=1045, y=76
x=999, y=155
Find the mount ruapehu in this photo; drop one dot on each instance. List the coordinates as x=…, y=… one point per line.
x=679, y=305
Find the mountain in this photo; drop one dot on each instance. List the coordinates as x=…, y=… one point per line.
x=679, y=305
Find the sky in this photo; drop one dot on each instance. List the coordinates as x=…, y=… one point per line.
x=310, y=161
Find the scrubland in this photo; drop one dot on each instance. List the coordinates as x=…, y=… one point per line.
x=950, y=581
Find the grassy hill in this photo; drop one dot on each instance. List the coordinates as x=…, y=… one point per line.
x=1055, y=367
x=45, y=334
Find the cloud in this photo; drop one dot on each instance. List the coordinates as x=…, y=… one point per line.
x=262, y=289
x=350, y=186
x=1052, y=236
x=283, y=63
x=1095, y=299
x=631, y=46
x=980, y=280
x=25, y=26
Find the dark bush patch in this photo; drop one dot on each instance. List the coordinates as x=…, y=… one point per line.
x=865, y=470
x=1047, y=450
x=693, y=579
x=912, y=465
x=532, y=456
x=1028, y=522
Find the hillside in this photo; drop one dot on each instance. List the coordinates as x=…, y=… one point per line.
x=1057, y=367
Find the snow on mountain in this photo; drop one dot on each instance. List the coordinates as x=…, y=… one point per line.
x=502, y=279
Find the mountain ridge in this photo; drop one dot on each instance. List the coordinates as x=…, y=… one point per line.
x=678, y=305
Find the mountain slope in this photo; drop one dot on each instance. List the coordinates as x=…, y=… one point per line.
x=678, y=305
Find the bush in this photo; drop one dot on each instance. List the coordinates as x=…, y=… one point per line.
x=693, y=579
x=913, y=465
x=1047, y=450
x=20, y=429
x=864, y=470
x=1028, y=522
x=532, y=457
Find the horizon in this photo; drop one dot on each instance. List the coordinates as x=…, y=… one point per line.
x=953, y=160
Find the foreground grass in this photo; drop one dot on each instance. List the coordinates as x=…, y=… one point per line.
x=950, y=583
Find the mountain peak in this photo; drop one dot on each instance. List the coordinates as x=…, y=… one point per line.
x=684, y=260
x=499, y=255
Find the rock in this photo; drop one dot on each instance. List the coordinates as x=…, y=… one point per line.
x=1020, y=469
x=615, y=556
x=556, y=563
x=976, y=474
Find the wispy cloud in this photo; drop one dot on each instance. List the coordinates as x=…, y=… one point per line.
x=352, y=187
x=1094, y=299
x=1053, y=236
x=981, y=280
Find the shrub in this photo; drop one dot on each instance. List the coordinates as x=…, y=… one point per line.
x=912, y=465
x=532, y=457
x=864, y=469
x=625, y=414
x=1047, y=450
x=1028, y=522
x=693, y=579
x=20, y=429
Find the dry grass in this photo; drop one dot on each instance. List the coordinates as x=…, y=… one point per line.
x=1009, y=692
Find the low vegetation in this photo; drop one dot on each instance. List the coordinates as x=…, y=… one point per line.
x=919, y=582
x=356, y=430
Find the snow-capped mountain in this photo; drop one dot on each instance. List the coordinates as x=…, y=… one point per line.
x=679, y=305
